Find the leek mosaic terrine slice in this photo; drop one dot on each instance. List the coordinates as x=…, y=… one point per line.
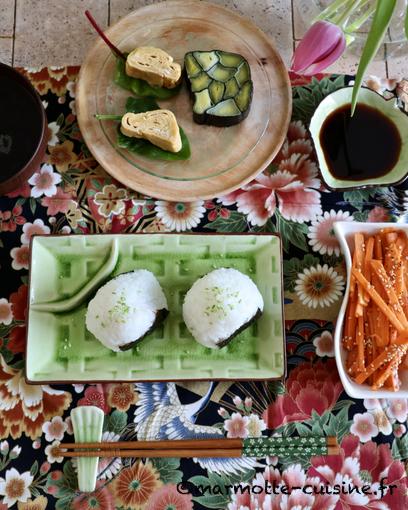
x=221, y=86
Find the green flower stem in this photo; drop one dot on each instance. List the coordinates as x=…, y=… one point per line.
x=331, y=10
x=4, y=464
x=108, y=117
x=382, y=17
x=360, y=21
x=406, y=24
x=343, y=18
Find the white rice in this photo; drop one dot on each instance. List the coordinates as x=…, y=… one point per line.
x=125, y=308
x=218, y=304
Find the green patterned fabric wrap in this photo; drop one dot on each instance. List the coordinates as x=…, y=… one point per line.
x=263, y=446
x=87, y=422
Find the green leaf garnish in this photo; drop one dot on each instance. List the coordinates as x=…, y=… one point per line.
x=382, y=17
x=144, y=147
x=140, y=87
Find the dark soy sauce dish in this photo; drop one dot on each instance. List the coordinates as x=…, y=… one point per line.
x=369, y=148
x=23, y=129
x=366, y=145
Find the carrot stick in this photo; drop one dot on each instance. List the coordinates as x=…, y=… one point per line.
x=381, y=328
x=351, y=363
x=378, y=247
x=360, y=344
x=350, y=326
x=379, y=301
x=367, y=266
x=353, y=266
x=387, y=287
x=370, y=336
x=359, y=247
x=386, y=355
x=384, y=374
x=400, y=341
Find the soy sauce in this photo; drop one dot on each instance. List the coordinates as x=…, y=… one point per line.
x=361, y=147
x=20, y=125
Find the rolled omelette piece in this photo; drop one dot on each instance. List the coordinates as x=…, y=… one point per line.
x=153, y=65
x=159, y=127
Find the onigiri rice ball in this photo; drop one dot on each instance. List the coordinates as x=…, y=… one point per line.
x=126, y=309
x=220, y=305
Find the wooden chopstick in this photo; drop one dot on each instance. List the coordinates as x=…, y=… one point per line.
x=179, y=453
x=185, y=454
x=196, y=444
x=186, y=448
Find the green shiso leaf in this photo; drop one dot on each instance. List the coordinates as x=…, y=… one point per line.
x=144, y=147
x=382, y=17
x=138, y=105
x=140, y=87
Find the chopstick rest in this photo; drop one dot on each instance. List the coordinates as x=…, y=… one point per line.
x=87, y=422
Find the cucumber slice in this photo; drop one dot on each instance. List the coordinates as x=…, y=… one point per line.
x=202, y=101
x=191, y=65
x=243, y=74
x=200, y=82
x=244, y=96
x=216, y=90
x=206, y=59
x=221, y=88
x=231, y=88
x=226, y=108
x=221, y=73
x=230, y=59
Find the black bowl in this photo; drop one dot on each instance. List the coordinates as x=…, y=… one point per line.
x=23, y=130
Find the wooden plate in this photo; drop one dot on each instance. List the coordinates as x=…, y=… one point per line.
x=222, y=159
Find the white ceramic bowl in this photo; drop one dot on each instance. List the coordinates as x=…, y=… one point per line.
x=345, y=231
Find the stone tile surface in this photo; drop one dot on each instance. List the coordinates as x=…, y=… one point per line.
x=301, y=15
x=398, y=65
x=6, y=18
x=348, y=63
x=6, y=49
x=272, y=16
x=55, y=32
x=119, y=8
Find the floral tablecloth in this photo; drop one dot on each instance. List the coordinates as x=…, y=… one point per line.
x=71, y=193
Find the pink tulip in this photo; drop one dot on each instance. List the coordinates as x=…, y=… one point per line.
x=322, y=45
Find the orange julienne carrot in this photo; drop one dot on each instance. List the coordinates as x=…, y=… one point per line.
x=350, y=326
x=387, y=287
x=360, y=344
x=378, y=247
x=376, y=329
x=369, y=249
x=379, y=301
x=384, y=374
x=359, y=248
x=386, y=355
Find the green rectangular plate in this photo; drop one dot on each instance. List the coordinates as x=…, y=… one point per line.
x=60, y=349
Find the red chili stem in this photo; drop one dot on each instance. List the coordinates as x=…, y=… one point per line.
x=98, y=29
